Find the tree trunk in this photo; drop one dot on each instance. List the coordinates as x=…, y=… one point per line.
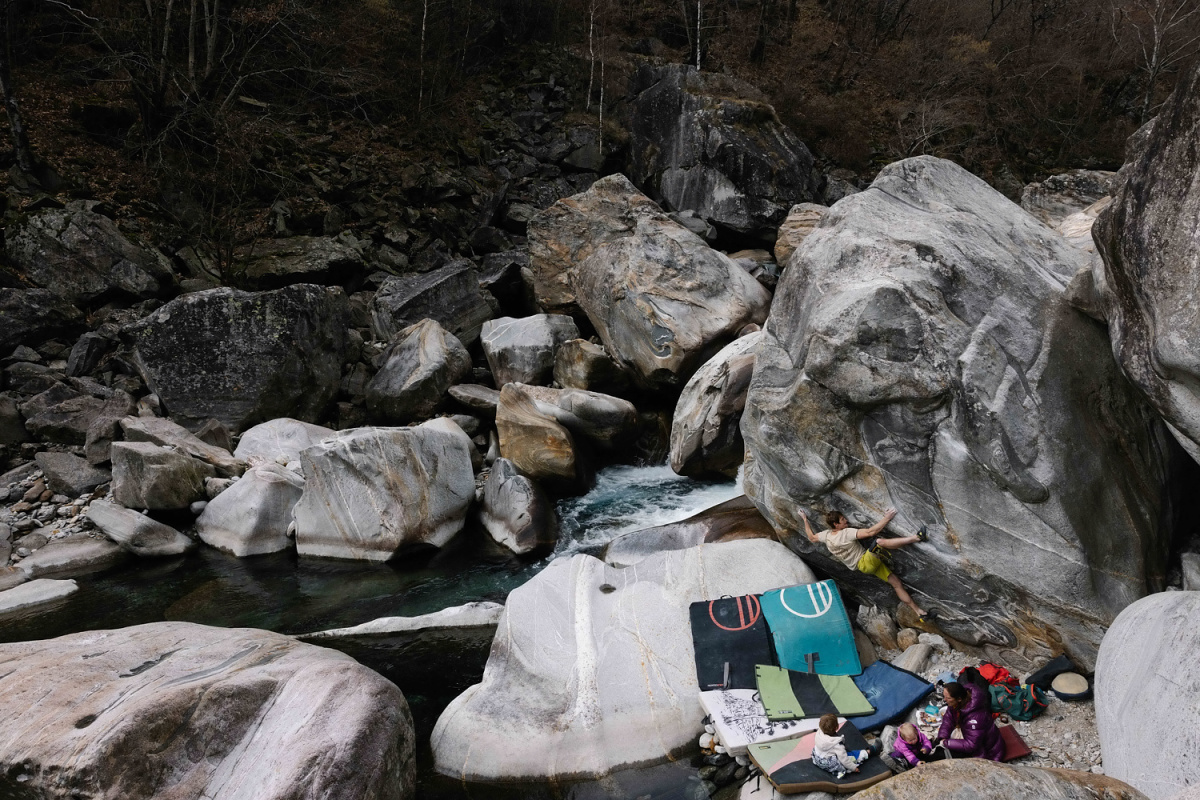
x=16, y=123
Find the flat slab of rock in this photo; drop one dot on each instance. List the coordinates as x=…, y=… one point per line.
x=78, y=554
x=471, y=616
x=450, y=295
x=420, y=364
x=588, y=658
x=979, y=779
x=476, y=397
x=163, y=431
x=522, y=350
x=725, y=522
x=137, y=533
x=147, y=475
x=244, y=357
x=279, y=441
x=252, y=516
x=1147, y=673
x=40, y=592
x=206, y=713
x=272, y=263
x=372, y=493
x=69, y=474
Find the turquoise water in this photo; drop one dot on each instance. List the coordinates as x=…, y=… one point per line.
x=287, y=594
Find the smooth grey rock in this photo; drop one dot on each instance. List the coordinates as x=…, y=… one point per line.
x=725, y=522
x=610, y=654
x=608, y=422
x=915, y=658
x=1060, y=196
x=709, y=143
x=450, y=295
x=515, y=511
x=579, y=364
x=164, y=432
x=422, y=362
x=532, y=439
x=980, y=779
x=78, y=554
x=706, y=434
x=279, y=441
x=660, y=299
x=81, y=256
x=476, y=397
x=105, y=427
x=921, y=354
x=207, y=712
x=137, y=533
x=214, y=486
x=483, y=615
x=522, y=350
x=61, y=414
x=1147, y=675
x=1190, y=565
x=40, y=592
x=10, y=576
x=215, y=433
x=371, y=493
x=1150, y=276
x=147, y=475
x=802, y=220
x=273, y=263
x=30, y=315
x=252, y=516
x=70, y=475
x=244, y=357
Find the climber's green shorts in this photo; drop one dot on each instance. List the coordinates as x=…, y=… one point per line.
x=871, y=565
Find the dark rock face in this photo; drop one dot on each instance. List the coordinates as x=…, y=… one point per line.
x=61, y=414
x=70, y=475
x=450, y=295
x=28, y=315
x=80, y=256
x=419, y=366
x=921, y=354
x=1150, y=280
x=979, y=779
x=710, y=144
x=273, y=263
x=243, y=357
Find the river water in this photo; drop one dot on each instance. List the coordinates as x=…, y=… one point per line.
x=287, y=594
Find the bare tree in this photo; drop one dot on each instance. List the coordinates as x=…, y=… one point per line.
x=1167, y=33
x=22, y=150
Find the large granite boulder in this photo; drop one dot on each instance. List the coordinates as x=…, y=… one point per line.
x=137, y=533
x=522, y=350
x=607, y=422
x=252, y=516
x=706, y=434
x=61, y=414
x=186, y=711
x=279, y=441
x=1150, y=281
x=82, y=257
x=592, y=667
x=147, y=475
x=1060, y=196
x=801, y=220
x=515, y=511
x=661, y=300
x=28, y=316
x=921, y=354
x=272, y=263
x=580, y=364
x=69, y=474
x=164, y=432
x=373, y=493
x=711, y=144
x=979, y=779
x=243, y=357
x=451, y=295
x=725, y=522
x=420, y=364
x=537, y=444
x=1148, y=695
x=76, y=554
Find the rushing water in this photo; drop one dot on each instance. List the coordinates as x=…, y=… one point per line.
x=284, y=593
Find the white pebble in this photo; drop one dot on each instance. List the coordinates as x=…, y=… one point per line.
x=706, y=741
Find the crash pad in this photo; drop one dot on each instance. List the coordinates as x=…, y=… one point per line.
x=892, y=690
x=788, y=765
x=810, y=620
x=787, y=694
x=733, y=631
x=740, y=720
x=1014, y=745
x=1049, y=671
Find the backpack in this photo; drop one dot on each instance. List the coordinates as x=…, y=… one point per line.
x=994, y=673
x=1020, y=703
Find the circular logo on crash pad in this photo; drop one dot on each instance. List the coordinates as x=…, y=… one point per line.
x=820, y=600
x=748, y=612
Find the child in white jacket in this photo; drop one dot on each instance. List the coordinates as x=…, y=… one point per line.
x=830, y=754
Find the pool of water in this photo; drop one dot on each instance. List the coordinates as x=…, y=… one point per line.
x=284, y=593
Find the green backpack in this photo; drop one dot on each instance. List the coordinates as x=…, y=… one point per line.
x=1018, y=702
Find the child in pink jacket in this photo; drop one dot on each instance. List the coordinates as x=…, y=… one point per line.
x=913, y=746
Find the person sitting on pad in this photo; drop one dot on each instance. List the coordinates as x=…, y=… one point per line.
x=969, y=711
x=844, y=544
x=829, y=753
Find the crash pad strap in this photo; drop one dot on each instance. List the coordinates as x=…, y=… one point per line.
x=795, y=695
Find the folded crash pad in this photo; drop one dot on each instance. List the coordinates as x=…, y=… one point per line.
x=1044, y=676
x=730, y=631
x=740, y=720
x=893, y=691
x=788, y=765
x=1014, y=745
x=809, y=627
x=787, y=694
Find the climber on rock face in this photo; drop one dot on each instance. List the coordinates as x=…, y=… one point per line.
x=845, y=544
